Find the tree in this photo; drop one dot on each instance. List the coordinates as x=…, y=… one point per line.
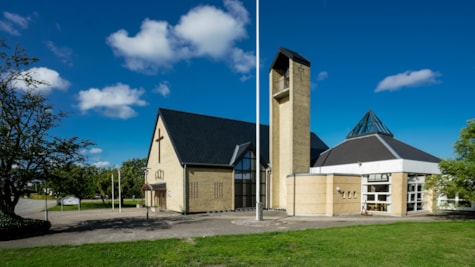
x=73, y=179
x=132, y=177
x=458, y=175
x=27, y=149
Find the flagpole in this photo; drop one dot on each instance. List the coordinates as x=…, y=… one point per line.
x=120, y=196
x=258, y=135
x=112, y=181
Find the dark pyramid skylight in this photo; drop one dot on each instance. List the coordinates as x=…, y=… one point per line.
x=369, y=124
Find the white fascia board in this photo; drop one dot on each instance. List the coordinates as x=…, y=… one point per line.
x=383, y=166
x=421, y=167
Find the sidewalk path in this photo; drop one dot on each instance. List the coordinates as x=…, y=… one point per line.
x=94, y=226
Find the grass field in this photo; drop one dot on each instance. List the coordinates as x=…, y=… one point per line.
x=400, y=244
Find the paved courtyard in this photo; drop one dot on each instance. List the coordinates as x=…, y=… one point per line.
x=129, y=224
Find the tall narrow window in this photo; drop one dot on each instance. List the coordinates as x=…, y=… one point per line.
x=415, y=193
x=245, y=182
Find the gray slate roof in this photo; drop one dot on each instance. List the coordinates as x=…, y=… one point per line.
x=369, y=148
x=207, y=140
x=370, y=140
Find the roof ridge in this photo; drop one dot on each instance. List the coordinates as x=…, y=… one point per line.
x=208, y=116
x=388, y=146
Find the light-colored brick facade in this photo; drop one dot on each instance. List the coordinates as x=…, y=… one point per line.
x=289, y=127
x=291, y=183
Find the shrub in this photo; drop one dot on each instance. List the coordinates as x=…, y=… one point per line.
x=14, y=227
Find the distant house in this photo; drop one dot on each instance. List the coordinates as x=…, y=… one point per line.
x=200, y=163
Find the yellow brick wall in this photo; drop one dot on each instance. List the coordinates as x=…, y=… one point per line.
x=317, y=195
x=398, y=194
x=290, y=129
x=168, y=171
x=210, y=189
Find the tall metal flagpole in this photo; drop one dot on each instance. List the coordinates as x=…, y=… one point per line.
x=258, y=123
x=120, y=196
x=112, y=178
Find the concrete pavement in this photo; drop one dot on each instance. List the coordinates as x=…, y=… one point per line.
x=106, y=225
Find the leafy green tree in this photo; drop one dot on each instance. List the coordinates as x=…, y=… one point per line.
x=27, y=149
x=103, y=183
x=73, y=179
x=458, y=175
x=132, y=177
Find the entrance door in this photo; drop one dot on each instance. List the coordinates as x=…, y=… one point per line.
x=415, y=193
x=162, y=199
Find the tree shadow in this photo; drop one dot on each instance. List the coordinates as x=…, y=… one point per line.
x=454, y=215
x=122, y=224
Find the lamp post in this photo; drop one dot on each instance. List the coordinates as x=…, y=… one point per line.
x=46, y=200
x=145, y=172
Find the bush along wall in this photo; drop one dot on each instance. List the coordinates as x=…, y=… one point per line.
x=16, y=227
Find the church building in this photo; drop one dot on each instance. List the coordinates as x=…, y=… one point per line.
x=199, y=163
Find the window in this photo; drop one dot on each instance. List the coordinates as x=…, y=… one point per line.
x=376, y=192
x=218, y=190
x=193, y=190
x=245, y=182
x=415, y=193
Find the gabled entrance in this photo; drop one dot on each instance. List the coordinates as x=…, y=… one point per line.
x=158, y=194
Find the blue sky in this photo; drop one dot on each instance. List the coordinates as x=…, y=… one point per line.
x=113, y=64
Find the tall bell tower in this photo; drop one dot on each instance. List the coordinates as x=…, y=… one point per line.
x=289, y=81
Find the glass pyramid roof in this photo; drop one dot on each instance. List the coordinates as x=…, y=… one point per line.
x=369, y=124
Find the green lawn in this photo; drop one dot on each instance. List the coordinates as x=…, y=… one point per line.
x=399, y=244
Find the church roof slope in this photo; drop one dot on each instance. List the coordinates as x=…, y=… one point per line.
x=202, y=139
x=209, y=140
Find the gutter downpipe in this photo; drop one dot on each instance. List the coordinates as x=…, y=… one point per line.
x=294, y=193
x=184, y=189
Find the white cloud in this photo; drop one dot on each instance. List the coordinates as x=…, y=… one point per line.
x=408, y=79
x=163, y=88
x=322, y=75
x=63, y=53
x=149, y=50
x=242, y=62
x=12, y=21
x=205, y=31
x=50, y=79
x=112, y=101
x=210, y=31
x=101, y=164
x=95, y=150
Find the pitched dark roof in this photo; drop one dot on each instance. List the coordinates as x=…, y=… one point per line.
x=208, y=140
x=369, y=148
x=281, y=59
x=370, y=140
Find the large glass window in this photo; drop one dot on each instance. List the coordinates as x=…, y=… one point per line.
x=415, y=193
x=376, y=190
x=245, y=182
